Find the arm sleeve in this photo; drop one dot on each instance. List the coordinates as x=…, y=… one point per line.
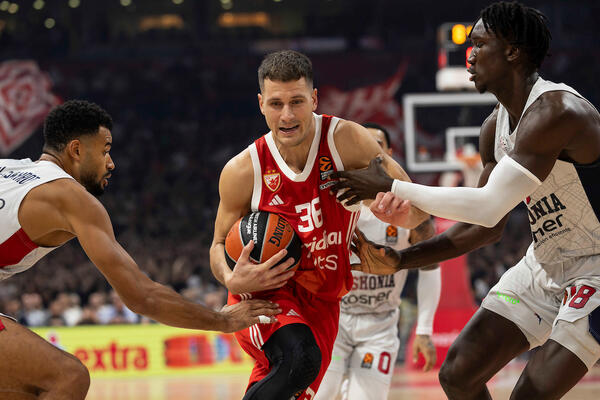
x=429, y=288
x=508, y=184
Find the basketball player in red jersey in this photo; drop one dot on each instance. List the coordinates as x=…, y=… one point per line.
x=44, y=204
x=287, y=171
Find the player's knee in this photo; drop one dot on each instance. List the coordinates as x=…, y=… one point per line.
x=306, y=365
x=454, y=371
x=74, y=378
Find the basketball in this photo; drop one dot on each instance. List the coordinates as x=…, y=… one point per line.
x=270, y=232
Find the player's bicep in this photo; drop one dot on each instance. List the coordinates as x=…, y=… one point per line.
x=236, y=185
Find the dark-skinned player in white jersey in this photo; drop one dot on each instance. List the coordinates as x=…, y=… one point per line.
x=286, y=171
x=48, y=202
x=540, y=145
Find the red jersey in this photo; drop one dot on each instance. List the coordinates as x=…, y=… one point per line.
x=325, y=227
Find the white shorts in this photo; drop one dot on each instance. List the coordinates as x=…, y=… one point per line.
x=365, y=349
x=544, y=309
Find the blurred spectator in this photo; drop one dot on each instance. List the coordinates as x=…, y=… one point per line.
x=115, y=312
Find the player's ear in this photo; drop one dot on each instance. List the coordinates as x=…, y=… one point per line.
x=512, y=53
x=74, y=149
x=260, y=103
x=315, y=99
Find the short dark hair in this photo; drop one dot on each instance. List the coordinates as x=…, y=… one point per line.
x=521, y=26
x=374, y=125
x=285, y=66
x=71, y=120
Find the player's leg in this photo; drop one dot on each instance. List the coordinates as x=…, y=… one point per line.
x=371, y=365
x=516, y=315
x=33, y=368
x=342, y=351
x=486, y=344
x=295, y=361
x=572, y=350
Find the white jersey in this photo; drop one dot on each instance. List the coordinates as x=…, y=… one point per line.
x=17, y=178
x=376, y=293
x=563, y=211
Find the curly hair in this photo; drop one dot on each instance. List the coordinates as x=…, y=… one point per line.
x=71, y=120
x=521, y=26
x=285, y=66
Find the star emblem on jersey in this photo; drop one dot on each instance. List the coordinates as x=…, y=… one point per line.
x=276, y=201
x=272, y=180
x=367, y=361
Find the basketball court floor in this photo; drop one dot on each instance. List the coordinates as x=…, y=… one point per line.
x=406, y=385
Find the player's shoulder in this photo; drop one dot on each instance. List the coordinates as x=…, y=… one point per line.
x=355, y=145
x=237, y=176
x=65, y=196
x=558, y=106
x=69, y=193
x=349, y=130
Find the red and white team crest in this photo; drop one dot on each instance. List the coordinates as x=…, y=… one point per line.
x=25, y=100
x=272, y=180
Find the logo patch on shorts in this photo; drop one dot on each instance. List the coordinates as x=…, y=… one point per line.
x=367, y=361
x=508, y=299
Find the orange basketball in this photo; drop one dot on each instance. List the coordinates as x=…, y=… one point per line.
x=270, y=233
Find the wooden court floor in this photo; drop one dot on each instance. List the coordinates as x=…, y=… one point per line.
x=406, y=385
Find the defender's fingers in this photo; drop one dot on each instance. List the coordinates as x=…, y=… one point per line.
x=339, y=175
x=262, y=304
x=263, y=319
x=375, y=203
x=344, y=194
x=386, y=200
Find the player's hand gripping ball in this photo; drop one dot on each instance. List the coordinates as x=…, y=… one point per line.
x=270, y=232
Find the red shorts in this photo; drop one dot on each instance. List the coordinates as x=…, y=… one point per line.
x=298, y=305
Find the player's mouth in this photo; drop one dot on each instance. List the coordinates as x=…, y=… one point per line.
x=471, y=70
x=105, y=180
x=289, y=131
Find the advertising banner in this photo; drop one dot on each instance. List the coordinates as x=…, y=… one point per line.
x=137, y=350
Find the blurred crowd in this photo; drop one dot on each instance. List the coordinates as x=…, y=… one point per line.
x=181, y=110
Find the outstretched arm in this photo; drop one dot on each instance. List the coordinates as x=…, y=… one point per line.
x=90, y=222
x=461, y=238
x=548, y=128
x=357, y=148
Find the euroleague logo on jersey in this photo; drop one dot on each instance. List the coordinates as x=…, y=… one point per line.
x=325, y=167
x=272, y=179
x=391, y=234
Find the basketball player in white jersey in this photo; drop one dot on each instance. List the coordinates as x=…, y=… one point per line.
x=46, y=203
x=540, y=145
x=367, y=343
x=286, y=171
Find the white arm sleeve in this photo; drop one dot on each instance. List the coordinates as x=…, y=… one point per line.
x=508, y=184
x=429, y=288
